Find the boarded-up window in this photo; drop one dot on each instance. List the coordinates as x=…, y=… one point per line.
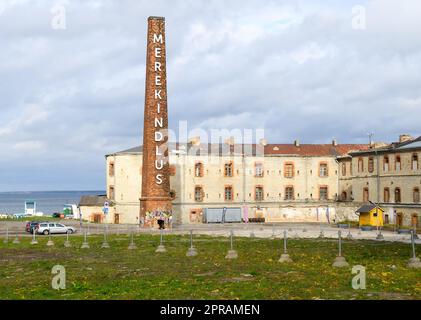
x=289, y=170
x=344, y=169
x=370, y=164
x=386, y=195
x=360, y=165
x=366, y=195
x=416, y=195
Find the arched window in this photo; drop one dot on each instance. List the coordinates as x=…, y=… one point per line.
x=198, y=194
x=386, y=164
x=370, y=164
x=415, y=161
x=398, y=195
x=416, y=195
x=360, y=164
x=366, y=195
x=386, y=195
x=398, y=163
x=198, y=169
x=344, y=169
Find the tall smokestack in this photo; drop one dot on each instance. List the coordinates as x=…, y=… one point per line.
x=155, y=170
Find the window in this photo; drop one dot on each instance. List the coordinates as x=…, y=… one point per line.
x=198, y=194
x=323, y=170
x=360, y=165
x=415, y=161
x=258, y=169
x=398, y=163
x=259, y=193
x=386, y=164
x=111, y=169
x=416, y=195
x=289, y=170
x=370, y=164
x=344, y=169
x=229, y=169
x=323, y=193
x=111, y=194
x=228, y=193
x=366, y=195
x=398, y=195
x=289, y=193
x=386, y=195
x=198, y=170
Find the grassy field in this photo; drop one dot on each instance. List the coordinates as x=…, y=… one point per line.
x=118, y=273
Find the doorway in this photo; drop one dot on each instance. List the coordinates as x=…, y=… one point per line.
x=414, y=220
x=399, y=219
x=116, y=218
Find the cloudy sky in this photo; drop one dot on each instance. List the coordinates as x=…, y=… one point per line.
x=308, y=70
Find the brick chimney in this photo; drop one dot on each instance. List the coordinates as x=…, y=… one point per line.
x=155, y=169
x=405, y=138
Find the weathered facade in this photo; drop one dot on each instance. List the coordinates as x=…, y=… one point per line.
x=389, y=175
x=287, y=182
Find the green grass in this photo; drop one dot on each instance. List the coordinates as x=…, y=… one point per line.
x=118, y=273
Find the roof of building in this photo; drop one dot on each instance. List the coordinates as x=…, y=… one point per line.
x=367, y=208
x=413, y=144
x=311, y=150
x=93, y=201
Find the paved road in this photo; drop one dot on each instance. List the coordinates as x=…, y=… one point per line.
x=295, y=230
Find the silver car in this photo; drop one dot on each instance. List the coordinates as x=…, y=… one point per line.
x=54, y=228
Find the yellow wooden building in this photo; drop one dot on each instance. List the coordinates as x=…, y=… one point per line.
x=371, y=215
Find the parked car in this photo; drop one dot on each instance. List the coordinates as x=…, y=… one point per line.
x=54, y=228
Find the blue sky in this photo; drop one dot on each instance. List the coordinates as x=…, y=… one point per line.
x=298, y=69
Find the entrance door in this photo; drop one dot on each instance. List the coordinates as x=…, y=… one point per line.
x=117, y=218
x=414, y=221
x=399, y=219
x=97, y=218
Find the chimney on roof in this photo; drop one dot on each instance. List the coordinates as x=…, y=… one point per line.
x=263, y=142
x=405, y=138
x=195, y=141
x=297, y=143
x=334, y=142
